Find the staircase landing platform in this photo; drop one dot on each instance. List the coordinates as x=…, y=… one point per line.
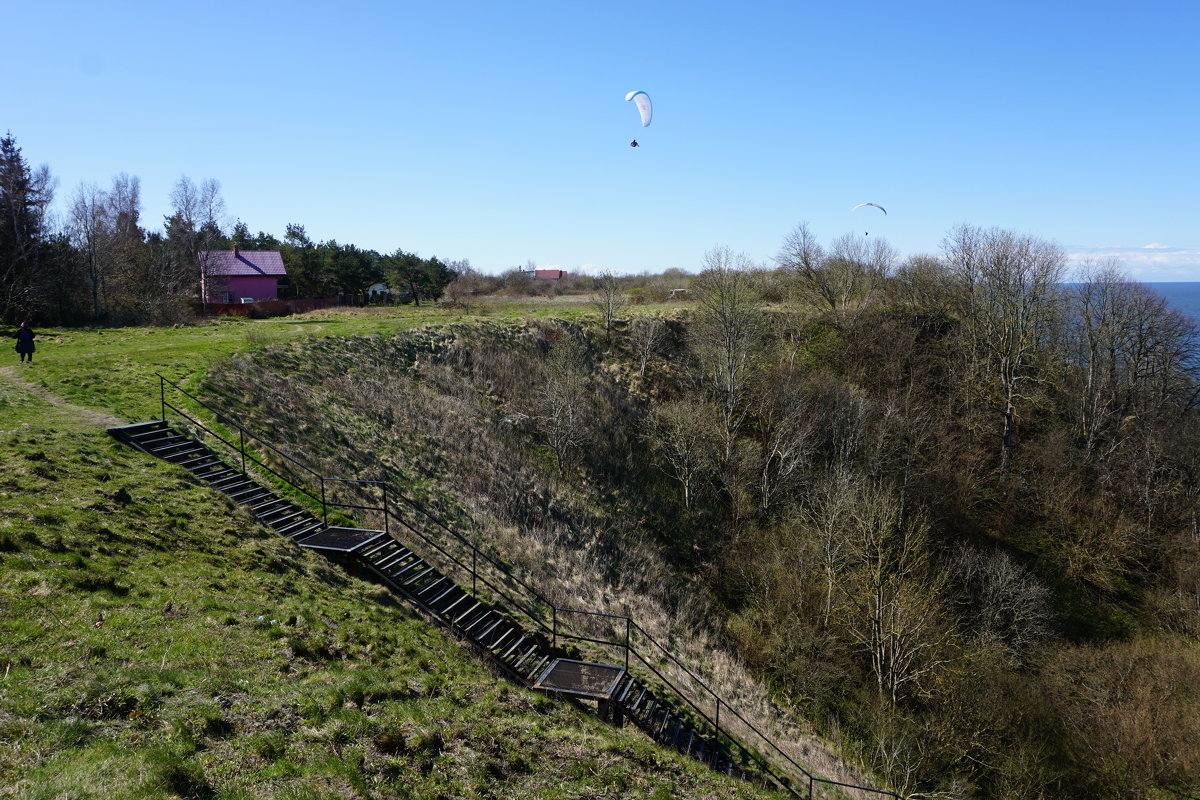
x=582, y=678
x=341, y=540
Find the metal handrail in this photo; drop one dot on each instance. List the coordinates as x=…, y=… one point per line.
x=630, y=624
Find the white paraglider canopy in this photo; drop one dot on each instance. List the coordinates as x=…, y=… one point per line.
x=874, y=205
x=642, y=101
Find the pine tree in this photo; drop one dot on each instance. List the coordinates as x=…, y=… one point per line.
x=24, y=195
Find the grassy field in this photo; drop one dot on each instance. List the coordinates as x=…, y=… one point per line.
x=159, y=643
x=112, y=369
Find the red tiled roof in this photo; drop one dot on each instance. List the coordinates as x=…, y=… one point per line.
x=246, y=262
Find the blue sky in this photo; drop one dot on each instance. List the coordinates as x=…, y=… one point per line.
x=499, y=132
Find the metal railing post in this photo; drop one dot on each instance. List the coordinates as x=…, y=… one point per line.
x=162, y=397
x=242, y=448
x=385, y=509
x=324, y=504
x=627, y=624
x=474, y=557
x=554, y=627
x=718, y=720
x=810, y=787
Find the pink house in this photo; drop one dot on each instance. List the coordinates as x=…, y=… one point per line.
x=238, y=276
x=549, y=274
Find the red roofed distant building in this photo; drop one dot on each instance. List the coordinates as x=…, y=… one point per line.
x=549, y=274
x=235, y=276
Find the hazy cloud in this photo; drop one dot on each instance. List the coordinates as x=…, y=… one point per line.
x=1149, y=262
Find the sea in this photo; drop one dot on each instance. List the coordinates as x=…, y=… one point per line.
x=1183, y=296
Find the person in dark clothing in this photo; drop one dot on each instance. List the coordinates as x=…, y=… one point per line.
x=25, y=346
x=634, y=143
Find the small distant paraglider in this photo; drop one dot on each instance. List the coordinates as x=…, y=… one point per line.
x=872, y=205
x=645, y=111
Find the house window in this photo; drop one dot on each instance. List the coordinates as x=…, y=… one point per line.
x=227, y=297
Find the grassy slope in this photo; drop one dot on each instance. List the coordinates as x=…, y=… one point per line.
x=135, y=663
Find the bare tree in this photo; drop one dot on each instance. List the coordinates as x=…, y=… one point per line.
x=785, y=425
x=802, y=257
x=826, y=516
x=1009, y=298
x=199, y=216
x=685, y=440
x=563, y=405
x=858, y=266
x=1135, y=355
x=892, y=596
x=610, y=300
x=922, y=281
x=91, y=233
x=727, y=335
x=647, y=335
x=1010, y=607
x=852, y=269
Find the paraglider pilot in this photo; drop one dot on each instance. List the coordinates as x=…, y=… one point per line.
x=634, y=143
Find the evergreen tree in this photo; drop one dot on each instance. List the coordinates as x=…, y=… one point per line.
x=24, y=195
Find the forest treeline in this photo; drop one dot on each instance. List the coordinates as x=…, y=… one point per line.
x=99, y=263
x=953, y=508
x=945, y=508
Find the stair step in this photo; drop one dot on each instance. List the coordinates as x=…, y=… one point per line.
x=423, y=573
x=633, y=707
x=429, y=588
x=299, y=533
x=177, y=449
x=278, y=515
x=232, y=479
x=482, y=620
x=268, y=506
x=448, y=610
x=676, y=731
x=284, y=519
x=537, y=670
x=513, y=647
x=174, y=446
x=474, y=617
x=523, y=658
x=468, y=612
x=486, y=631
x=498, y=643
x=257, y=496
x=413, y=566
x=436, y=602
x=653, y=706
x=398, y=554
x=204, y=464
x=151, y=439
x=375, y=548
x=191, y=463
x=288, y=527
x=664, y=722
